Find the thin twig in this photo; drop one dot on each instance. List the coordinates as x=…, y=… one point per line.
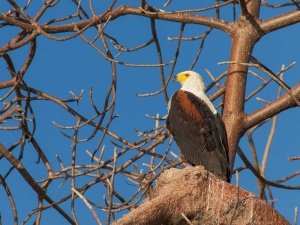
x=87, y=204
x=295, y=215
x=270, y=73
x=186, y=219
x=110, y=190
x=294, y=158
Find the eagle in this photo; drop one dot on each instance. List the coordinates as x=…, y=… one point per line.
x=196, y=126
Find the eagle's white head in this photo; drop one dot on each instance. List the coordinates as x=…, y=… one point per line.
x=192, y=82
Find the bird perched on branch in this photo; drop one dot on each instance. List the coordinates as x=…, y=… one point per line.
x=197, y=127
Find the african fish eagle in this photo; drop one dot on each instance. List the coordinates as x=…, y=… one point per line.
x=197, y=127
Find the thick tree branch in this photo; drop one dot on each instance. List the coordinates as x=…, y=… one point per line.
x=281, y=21
x=203, y=199
x=253, y=7
x=246, y=34
x=273, y=108
x=116, y=13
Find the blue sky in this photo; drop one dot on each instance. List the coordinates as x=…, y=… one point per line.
x=61, y=67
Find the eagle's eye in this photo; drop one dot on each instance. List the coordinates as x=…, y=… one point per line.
x=186, y=75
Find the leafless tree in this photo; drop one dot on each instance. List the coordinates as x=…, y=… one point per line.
x=181, y=195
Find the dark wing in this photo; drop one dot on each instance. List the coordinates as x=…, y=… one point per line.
x=199, y=134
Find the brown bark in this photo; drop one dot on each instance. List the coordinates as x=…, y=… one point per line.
x=245, y=33
x=283, y=103
x=203, y=199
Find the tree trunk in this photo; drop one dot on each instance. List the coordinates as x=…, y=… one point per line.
x=195, y=196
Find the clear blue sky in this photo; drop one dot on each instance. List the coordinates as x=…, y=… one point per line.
x=60, y=67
